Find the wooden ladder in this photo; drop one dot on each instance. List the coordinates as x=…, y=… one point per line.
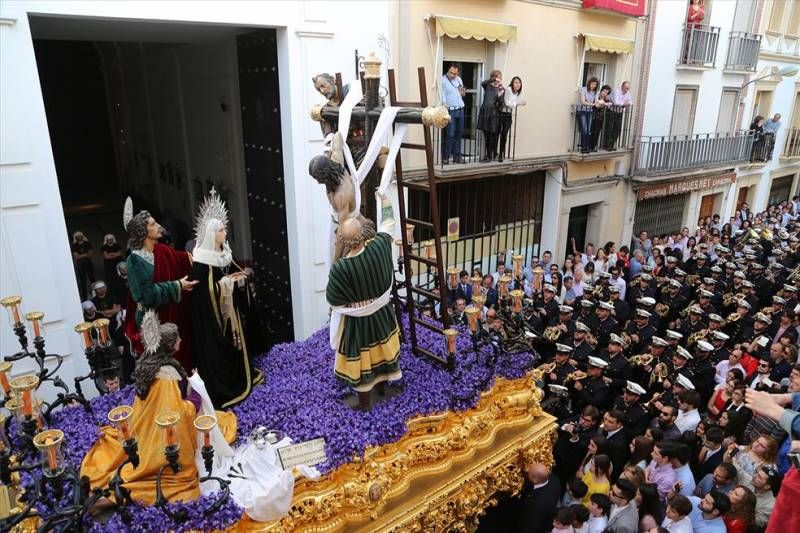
x=431, y=226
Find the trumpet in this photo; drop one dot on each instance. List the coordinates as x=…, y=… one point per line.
x=626, y=338
x=662, y=310
x=794, y=274
x=692, y=280
x=685, y=311
x=576, y=376
x=552, y=333
x=730, y=298
x=733, y=317
x=696, y=336
x=547, y=368
x=641, y=360
x=652, y=399
x=660, y=373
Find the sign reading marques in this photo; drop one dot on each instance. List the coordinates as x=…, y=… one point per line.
x=682, y=187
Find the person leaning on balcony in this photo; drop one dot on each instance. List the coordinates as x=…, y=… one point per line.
x=489, y=117
x=600, y=120
x=512, y=98
x=453, y=92
x=585, y=108
x=696, y=14
x=757, y=126
x=622, y=100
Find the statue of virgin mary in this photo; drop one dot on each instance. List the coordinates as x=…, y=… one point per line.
x=216, y=308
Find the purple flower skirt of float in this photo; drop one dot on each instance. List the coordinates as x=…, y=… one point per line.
x=302, y=397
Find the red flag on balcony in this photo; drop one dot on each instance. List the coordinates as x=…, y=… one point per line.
x=628, y=7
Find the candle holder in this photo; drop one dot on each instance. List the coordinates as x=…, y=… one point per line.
x=5, y=370
x=204, y=424
x=24, y=388
x=452, y=277
x=100, y=354
x=12, y=306
x=430, y=252
x=516, y=298
x=476, y=285
x=450, y=335
x=410, y=233
x=168, y=422
x=517, y=262
x=48, y=442
x=121, y=418
x=538, y=279
x=101, y=328
x=503, y=282
x=479, y=301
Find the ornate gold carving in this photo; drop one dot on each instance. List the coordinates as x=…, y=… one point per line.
x=436, y=116
x=441, y=475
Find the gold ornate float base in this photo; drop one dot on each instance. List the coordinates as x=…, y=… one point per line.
x=441, y=476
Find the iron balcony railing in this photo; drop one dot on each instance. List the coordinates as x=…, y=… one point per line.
x=671, y=153
x=743, y=50
x=792, y=146
x=699, y=45
x=472, y=143
x=763, y=144
x=600, y=129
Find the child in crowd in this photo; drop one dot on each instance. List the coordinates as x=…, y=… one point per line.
x=599, y=507
x=563, y=521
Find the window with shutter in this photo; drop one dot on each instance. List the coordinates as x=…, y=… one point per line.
x=728, y=106
x=775, y=22
x=683, y=111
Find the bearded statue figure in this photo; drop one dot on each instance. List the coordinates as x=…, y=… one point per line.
x=328, y=169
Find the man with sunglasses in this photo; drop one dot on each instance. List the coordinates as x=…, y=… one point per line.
x=624, y=517
x=766, y=483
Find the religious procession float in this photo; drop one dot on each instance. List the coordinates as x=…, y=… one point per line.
x=384, y=420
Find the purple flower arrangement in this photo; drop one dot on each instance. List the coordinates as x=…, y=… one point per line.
x=302, y=397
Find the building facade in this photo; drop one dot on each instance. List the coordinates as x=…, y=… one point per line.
x=689, y=140
x=216, y=94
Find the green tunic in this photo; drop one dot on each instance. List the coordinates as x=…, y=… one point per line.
x=146, y=293
x=369, y=348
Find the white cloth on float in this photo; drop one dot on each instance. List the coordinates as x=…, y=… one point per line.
x=258, y=484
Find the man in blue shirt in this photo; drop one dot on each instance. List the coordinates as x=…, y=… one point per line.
x=453, y=92
x=706, y=515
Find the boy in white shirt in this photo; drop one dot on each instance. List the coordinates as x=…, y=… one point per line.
x=677, y=520
x=599, y=507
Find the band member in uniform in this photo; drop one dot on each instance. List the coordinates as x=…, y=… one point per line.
x=675, y=300
x=619, y=369
x=607, y=325
x=622, y=310
x=759, y=342
x=674, y=339
x=563, y=321
x=741, y=329
x=640, y=331
x=587, y=315
x=629, y=403
x=581, y=349
x=694, y=323
x=703, y=370
x=704, y=301
x=546, y=307
x=721, y=352
x=763, y=286
x=563, y=367
x=593, y=389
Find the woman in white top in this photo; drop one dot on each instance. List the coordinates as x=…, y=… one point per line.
x=511, y=99
x=601, y=261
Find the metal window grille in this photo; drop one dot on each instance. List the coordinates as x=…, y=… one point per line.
x=660, y=216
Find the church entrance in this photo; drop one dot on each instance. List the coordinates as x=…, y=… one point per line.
x=163, y=112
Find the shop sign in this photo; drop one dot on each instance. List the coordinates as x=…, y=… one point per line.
x=685, y=186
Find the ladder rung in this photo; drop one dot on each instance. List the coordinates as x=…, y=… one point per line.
x=426, y=292
x=432, y=327
x=414, y=146
x=431, y=262
x=417, y=222
x=436, y=357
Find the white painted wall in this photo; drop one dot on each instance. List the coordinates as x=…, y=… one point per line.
x=313, y=36
x=664, y=76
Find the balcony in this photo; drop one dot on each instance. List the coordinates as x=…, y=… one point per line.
x=743, y=50
x=600, y=130
x=791, y=149
x=676, y=153
x=763, y=144
x=472, y=143
x=699, y=46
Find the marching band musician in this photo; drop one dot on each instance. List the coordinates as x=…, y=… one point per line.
x=618, y=371
x=763, y=286
x=592, y=390
x=673, y=338
x=642, y=289
x=789, y=293
x=669, y=267
x=719, y=340
x=545, y=307
x=680, y=367
x=648, y=303
x=748, y=290
x=704, y=301
x=670, y=395
x=680, y=277
x=587, y=315
x=740, y=329
x=607, y=325
x=759, y=341
x=563, y=321
x=719, y=284
x=703, y=370
x=622, y=310
x=635, y=417
x=674, y=300
x=581, y=350
x=715, y=322
x=563, y=367
x=640, y=330
x=694, y=323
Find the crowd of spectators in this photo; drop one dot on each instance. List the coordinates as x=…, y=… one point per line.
x=674, y=377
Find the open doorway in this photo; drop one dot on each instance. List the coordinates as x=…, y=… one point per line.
x=163, y=112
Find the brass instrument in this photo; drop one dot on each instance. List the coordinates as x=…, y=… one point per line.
x=576, y=376
x=659, y=374
x=626, y=339
x=597, y=292
x=692, y=280
x=733, y=317
x=685, y=311
x=546, y=368
x=662, y=310
x=591, y=340
x=696, y=336
x=552, y=333
x=769, y=311
x=641, y=360
x=793, y=275
x=767, y=234
x=652, y=399
x=730, y=298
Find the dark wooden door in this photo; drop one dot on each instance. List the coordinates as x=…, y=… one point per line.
x=707, y=206
x=576, y=228
x=263, y=154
